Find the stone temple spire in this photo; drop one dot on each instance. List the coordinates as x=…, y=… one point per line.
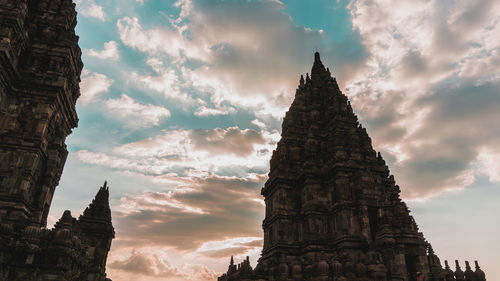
x=99, y=208
x=333, y=210
x=95, y=225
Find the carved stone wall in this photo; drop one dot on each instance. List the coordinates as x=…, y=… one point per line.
x=40, y=70
x=40, y=67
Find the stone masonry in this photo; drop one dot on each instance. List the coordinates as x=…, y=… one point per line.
x=40, y=66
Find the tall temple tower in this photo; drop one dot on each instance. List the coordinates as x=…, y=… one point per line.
x=40, y=67
x=40, y=70
x=333, y=210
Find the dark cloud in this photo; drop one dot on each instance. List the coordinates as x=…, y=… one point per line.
x=230, y=141
x=413, y=64
x=240, y=249
x=474, y=15
x=442, y=152
x=207, y=210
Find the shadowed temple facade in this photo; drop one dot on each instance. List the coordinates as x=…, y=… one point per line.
x=40, y=66
x=333, y=210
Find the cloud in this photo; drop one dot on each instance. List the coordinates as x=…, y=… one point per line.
x=203, y=111
x=167, y=39
x=431, y=85
x=137, y=115
x=489, y=163
x=92, y=85
x=89, y=9
x=165, y=80
x=247, y=54
x=230, y=247
x=147, y=264
x=232, y=140
x=186, y=218
x=110, y=51
x=225, y=152
x=258, y=123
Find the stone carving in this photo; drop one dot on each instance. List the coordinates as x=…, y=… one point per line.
x=348, y=220
x=40, y=67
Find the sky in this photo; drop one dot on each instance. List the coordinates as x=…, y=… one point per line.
x=182, y=102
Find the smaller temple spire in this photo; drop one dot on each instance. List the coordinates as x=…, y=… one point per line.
x=99, y=208
x=459, y=274
x=469, y=274
x=480, y=276
x=66, y=220
x=448, y=272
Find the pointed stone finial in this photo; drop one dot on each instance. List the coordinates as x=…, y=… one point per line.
x=65, y=221
x=301, y=80
x=480, y=276
x=459, y=274
x=316, y=57
x=232, y=261
x=308, y=79
x=99, y=208
x=446, y=265
x=318, y=68
x=66, y=217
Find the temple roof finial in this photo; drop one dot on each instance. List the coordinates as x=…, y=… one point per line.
x=99, y=208
x=318, y=68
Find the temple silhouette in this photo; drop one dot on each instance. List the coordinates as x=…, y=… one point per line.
x=333, y=210
x=40, y=67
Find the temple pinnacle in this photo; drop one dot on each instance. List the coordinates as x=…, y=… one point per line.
x=316, y=57
x=318, y=69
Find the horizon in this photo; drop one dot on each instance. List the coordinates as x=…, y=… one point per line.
x=182, y=102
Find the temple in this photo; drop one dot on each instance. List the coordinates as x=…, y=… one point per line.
x=333, y=210
x=40, y=67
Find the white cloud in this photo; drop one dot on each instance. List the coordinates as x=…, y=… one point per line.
x=258, y=123
x=90, y=9
x=167, y=40
x=164, y=80
x=148, y=263
x=137, y=115
x=203, y=111
x=230, y=151
x=488, y=162
x=110, y=51
x=92, y=85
